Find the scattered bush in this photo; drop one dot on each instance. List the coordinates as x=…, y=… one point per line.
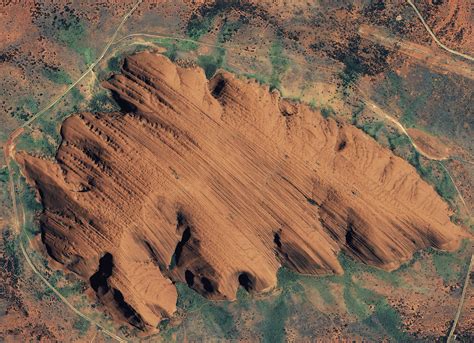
x=25, y=107
x=12, y=262
x=275, y=315
x=71, y=32
x=327, y=112
x=4, y=174
x=280, y=64
x=102, y=102
x=198, y=26
x=82, y=325
x=210, y=63
x=373, y=129
x=57, y=76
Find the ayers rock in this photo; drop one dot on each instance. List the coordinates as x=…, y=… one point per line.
x=218, y=184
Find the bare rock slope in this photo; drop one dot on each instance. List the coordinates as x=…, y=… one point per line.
x=219, y=184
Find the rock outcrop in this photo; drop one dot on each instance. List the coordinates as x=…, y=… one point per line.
x=218, y=184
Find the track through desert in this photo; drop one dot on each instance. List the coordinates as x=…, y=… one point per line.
x=9, y=154
x=461, y=302
x=466, y=283
x=441, y=45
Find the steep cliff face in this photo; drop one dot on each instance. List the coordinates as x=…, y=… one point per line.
x=219, y=184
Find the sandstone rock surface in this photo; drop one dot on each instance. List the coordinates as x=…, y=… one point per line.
x=218, y=184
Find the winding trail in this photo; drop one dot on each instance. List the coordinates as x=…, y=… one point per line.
x=92, y=66
x=451, y=336
x=441, y=45
x=9, y=156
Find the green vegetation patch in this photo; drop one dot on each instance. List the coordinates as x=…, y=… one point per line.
x=373, y=129
x=58, y=76
x=327, y=112
x=360, y=300
x=4, y=174
x=102, y=102
x=452, y=267
x=11, y=261
x=70, y=31
x=25, y=107
x=436, y=175
x=395, y=86
x=198, y=26
x=216, y=314
x=210, y=63
x=228, y=29
x=114, y=64
x=39, y=144
x=280, y=64
x=275, y=315
x=175, y=46
x=82, y=325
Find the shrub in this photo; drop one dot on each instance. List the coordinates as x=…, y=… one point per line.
x=102, y=102
x=25, y=107
x=327, y=112
x=275, y=315
x=219, y=317
x=82, y=325
x=11, y=250
x=210, y=63
x=4, y=174
x=198, y=26
x=57, y=76
x=280, y=64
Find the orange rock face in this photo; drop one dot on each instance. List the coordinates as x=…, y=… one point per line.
x=219, y=184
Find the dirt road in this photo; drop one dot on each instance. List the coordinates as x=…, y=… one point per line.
x=9, y=149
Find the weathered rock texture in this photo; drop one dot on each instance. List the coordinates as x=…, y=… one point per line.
x=219, y=184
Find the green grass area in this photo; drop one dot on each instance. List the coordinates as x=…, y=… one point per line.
x=261, y=79
x=275, y=313
x=220, y=319
x=76, y=99
x=228, y=29
x=102, y=102
x=408, y=103
x=12, y=261
x=351, y=72
x=397, y=141
x=4, y=174
x=434, y=174
x=216, y=315
x=383, y=318
x=175, y=46
x=58, y=76
x=373, y=129
x=186, y=46
x=25, y=107
x=198, y=26
x=114, y=64
x=356, y=113
x=72, y=32
x=327, y=111
x=82, y=325
x=27, y=196
x=210, y=63
x=41, y=144
x=280, y=64
x=451, y=267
